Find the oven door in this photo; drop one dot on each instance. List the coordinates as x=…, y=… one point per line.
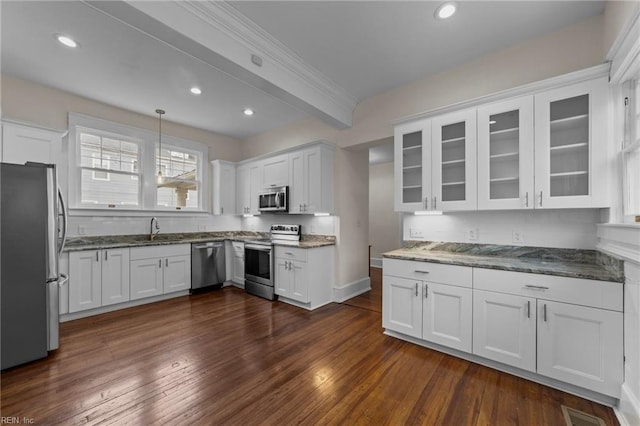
x=258, y=264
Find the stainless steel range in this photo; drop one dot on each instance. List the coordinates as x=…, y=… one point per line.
x=258, y=260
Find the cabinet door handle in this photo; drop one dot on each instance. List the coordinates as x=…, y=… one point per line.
x=540, y=198
x=536, y=287
x=106, y=255
x=544, y=312
x=426, y=203
x=526, y=199
x=420, y=271
x=97, y=256
x=426, y=291
x=435, y=200
x=166, y=262
x=159, y=263
x=528, y=308
x=221, y=210
x=289, y=253
x=416, y=289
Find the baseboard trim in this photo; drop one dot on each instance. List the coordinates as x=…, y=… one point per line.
x=352, y=289
x=628, y=409
x=375, y=262
x=556, y=384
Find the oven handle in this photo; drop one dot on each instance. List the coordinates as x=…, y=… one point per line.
x=257, y=248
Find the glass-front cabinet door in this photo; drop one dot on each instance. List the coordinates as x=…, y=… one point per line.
x=453, y=162
x=505, y=155
x=412, y=150
x=571, y=146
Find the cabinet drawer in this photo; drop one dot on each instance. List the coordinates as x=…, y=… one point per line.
x=426, y=271
x=160, y=251
x=291, y=253
x=598, y=294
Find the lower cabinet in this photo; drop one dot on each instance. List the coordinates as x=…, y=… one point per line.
x=304, y=277
x=237, y=262
x=159, y=270
x=567, y=329
x=504, y=328
x=98, y=278
x=428, y=301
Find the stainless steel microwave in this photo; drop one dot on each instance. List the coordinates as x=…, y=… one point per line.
x=274, y=200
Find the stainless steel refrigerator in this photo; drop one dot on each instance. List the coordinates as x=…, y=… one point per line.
x=32, y=233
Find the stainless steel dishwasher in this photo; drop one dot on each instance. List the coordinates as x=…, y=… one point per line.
x=207, y=265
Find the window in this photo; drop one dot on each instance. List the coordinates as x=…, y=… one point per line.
x=631, y=150
x=107, y=173
x=178, y=187
x=113, y=166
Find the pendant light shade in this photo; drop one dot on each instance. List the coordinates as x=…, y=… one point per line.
x=159, y=178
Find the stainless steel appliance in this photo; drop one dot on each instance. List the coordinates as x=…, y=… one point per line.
x=258, y=260
x=274, y=200
x=207, y=265
x=33, y=231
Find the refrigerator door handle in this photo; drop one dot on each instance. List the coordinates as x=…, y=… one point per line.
x=64, y=221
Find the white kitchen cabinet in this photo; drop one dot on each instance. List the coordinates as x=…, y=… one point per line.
x=428, y=301
x=446, y=315
x=311, y=180
x=115, y=276
x=224, y=187
x=505, y=155
x=504, y=328
x=454, y=161
x=571, y=146
x=304, y=277
x=159, y=270
x=412, y=150
x=237, y=263
x=98, y=278
x=581, y=345
x=276, y=171
x=85, y=280
x=569, y=329
x=249, y=185
x=402, y=305
x=23, y=142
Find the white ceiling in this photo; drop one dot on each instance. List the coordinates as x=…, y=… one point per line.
x=363, y=47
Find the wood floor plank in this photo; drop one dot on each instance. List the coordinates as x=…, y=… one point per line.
x=225, y=357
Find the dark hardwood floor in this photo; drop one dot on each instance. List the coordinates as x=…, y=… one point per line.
x=371, y=300
x=225, y=357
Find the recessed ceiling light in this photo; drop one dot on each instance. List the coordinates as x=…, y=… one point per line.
x=196, y=90
x=248, y=112
x=66, y=40
x=446, y=10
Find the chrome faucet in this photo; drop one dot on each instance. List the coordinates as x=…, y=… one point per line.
x=153, y=234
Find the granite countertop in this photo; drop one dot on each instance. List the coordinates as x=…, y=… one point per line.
x=574, y=263
x=141, y=240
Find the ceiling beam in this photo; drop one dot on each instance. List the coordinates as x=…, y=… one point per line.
x=219, y=35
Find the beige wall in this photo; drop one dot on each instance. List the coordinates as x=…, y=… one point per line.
x=384, y=223
x=33, y=103
x=352, y=208
x=569, y=49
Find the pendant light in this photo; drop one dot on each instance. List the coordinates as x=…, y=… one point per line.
x=159, y=178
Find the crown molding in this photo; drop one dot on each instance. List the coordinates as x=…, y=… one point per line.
x=219, y=35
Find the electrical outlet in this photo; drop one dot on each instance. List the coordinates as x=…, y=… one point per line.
x=202, y=227
x=517, y=236
x=415, y=233
x=472, y=234
x=82, y=230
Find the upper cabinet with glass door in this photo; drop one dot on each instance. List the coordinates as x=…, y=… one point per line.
x=571, y=146
x=505, y=155
x=453, y=162
x=412, y=171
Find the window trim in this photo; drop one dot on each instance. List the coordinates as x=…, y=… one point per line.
x=631, y=144
x=147, y=142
